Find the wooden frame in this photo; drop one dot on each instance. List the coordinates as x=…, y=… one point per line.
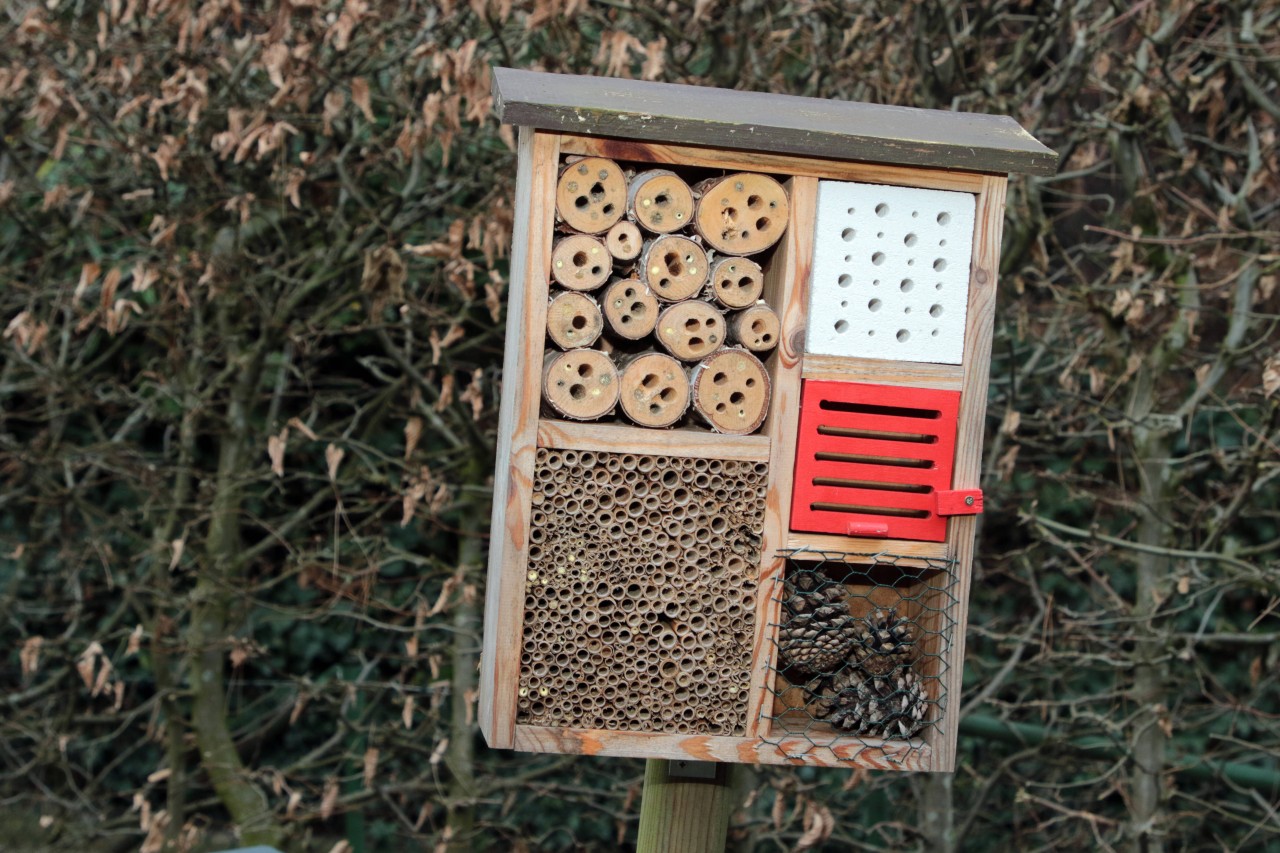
x=798, y=146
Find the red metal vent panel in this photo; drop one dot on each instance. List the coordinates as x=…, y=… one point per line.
x=872, y=460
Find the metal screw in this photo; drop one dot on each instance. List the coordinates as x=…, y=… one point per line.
x=968, y=501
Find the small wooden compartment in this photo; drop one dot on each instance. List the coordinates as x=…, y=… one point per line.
x=660, y=526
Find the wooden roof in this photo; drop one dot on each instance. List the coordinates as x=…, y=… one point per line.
x=785, y=124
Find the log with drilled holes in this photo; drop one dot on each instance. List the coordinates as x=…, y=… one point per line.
x=654, y=390
x=741, y=214
x=757, y=328
x=691, y=330
x=591, y=195
x=736, y=282
x=580, y=262
x=630, y=309
x=660, y=201
x=673, y=267
x=624, y=242
x=573, y=320
x=730, y=391
x=579, y=384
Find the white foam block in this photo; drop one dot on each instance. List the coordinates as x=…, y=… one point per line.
x=890, y=272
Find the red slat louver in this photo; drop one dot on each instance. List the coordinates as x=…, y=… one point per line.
x=873, y=460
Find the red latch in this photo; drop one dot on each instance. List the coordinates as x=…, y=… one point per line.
x=867, y=528
x=960, y=502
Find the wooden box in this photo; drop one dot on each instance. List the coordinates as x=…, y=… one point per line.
x=690, y=264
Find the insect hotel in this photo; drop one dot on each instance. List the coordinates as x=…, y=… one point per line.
x=743, y=405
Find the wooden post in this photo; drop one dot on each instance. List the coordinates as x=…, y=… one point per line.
x=686, y=806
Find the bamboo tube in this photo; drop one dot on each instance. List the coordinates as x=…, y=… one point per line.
x=624, y=242
x=660, y=201
x=654, y=390
x=580, y=262
x=736, y=282
x=591, y=195
x=741, y=214
x=691, y=330
x=573, y=320
x=673, y=267
x=630, y=309
x=757, y=328
x=580, y=384
x=731, y=391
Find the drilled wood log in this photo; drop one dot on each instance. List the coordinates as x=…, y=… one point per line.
x=580, y=384
x=573, y=320
x=691, y=330
x=624, y=242
x=580, y=262
x=630, y=309
x=591, y=195
x=660, y=201
x=673, y=267
x=741, y=214
x=730, y=391
x=736, y=282
x=757, y=328
x=654, y=390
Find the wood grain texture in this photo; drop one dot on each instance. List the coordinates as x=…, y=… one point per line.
x=814, y=750
x=779, y=164
x=766, y=122
x=517, y=428
x=682, y=815
x=989, y=224
x=907, y=374
x=903, y=548
x=785, y=285
x=619, y=438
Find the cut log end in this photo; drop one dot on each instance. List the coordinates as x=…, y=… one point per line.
x=673, y=267
x=580, y=262
x=660, y=201
x=573, y=320
x=630, y=309
x=691, y=330
x=624, y=241
x=731, y=392
x=654, y=390
x=736, y=282
x=742, y=214
x=591, y=195
x=580, y=384
x=757, y=328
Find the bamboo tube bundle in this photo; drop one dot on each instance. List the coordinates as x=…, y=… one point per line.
x=580, y=262
x=624, y=242
x=757, y=328
x=573, y=320
x=591, y=195
x=580, y=384
x=736, y=282
x=673, y=267
x=660, y=201
x=731, y=391
x=741, y=214
x=691, y=330
x=630, y=309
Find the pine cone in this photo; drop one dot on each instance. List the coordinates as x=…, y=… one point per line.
x=885, y=643
x=891, y=706
x=819, y=641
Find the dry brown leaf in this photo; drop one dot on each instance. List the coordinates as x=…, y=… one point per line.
x=1271, y=375
x=446, y=393
x=370, y=766
x=275, y=450
x=88, y=275
x=406, y=715
x=29, y=656
x=160, y=775
x=177, y=546
x=303, y=428
x=329, y=798
x=333, y=456
x=412, y=433
x=818, y=825
x=360, y=96
x=342, y=846
x=333, y=104
x=135, y=641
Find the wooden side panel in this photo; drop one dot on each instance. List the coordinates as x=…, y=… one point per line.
x=907, y=374
x=517, y=433
x=619, y=438
x=814, y=751
x=784, y=288
x=779, y=164
x=904, y=549
x=969, y=433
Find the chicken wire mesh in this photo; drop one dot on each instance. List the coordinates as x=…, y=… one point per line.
x=862, y=652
